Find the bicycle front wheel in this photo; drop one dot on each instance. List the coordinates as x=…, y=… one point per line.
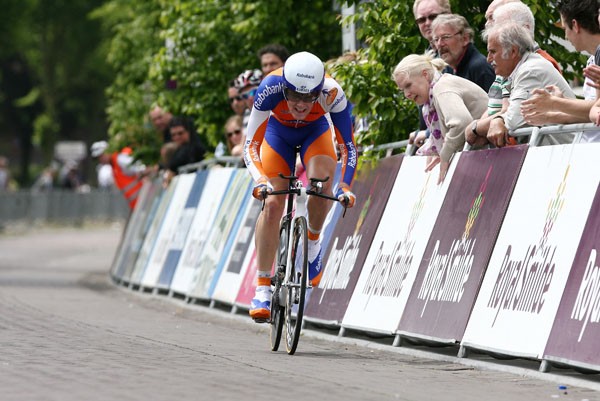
x=277, y=309
x=297, y=282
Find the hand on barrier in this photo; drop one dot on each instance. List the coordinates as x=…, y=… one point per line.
x=346, y=196
x=262, y=189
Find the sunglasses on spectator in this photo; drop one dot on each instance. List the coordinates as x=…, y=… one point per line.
x=430, y=17
x=243, y=96
x=293, y=96
x=234, y=132
x=248, y=94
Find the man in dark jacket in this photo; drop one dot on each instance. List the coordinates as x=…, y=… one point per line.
x=189, y=146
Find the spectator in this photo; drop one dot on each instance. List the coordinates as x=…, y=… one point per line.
x=272, y=57
x=104, y=170
x=500, y=12
x=233, y=135
x=70, y=176
x=579, y=19
x=45, y=181
x=4, y=174
x=105, y=174
x=489, y=12
x=166, y=153
x=126, y=172
x=189, y=147
x=509, y=52
x=235, y=100
x=425, y=12
x=453, y=38
x=520, y=14
x=449, y=103
x=161, y=120
x=247, y=83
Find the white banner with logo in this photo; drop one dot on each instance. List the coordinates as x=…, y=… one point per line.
x=395, y=254
x=213, y=193
x=530, y=264
x=167, y=229
x=219, y=240
x=234, y=270
x=150, y=238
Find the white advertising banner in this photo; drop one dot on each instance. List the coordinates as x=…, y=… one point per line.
x=219, y=240
x=213, y=192
x=530, y=264
x=148, y=245
x=395, y=254
x=233, y=274
x=167, y=230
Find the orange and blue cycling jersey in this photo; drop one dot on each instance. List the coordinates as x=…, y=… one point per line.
x=273, y=133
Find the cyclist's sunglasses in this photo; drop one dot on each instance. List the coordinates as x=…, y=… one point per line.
x=293, y=96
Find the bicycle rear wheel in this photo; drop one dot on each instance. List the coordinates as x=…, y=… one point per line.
x=298, y=279
x=277, y=308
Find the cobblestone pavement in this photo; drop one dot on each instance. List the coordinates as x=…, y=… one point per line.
x=68, y=333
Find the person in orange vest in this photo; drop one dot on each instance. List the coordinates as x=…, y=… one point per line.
x=127, y=173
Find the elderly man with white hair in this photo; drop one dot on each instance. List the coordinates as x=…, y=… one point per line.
x=501, y=12
x=510, y=48
x=521, y=14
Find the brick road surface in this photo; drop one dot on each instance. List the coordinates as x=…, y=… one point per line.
x=68, y=333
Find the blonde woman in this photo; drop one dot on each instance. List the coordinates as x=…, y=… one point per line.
x=449, y=103
x=234, y=137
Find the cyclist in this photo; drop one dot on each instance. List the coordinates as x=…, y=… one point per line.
x=289, y=110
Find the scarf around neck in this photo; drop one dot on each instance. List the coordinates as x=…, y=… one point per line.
x=434, y=143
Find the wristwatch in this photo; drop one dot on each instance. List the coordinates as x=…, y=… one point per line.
x=474, y=128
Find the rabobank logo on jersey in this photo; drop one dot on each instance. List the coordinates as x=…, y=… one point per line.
x=266, y=92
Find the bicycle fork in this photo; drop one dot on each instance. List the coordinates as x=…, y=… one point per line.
x=301, y=211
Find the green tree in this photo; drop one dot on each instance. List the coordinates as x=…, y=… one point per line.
x=54, y=75
x=133, y=29
x=210, y=43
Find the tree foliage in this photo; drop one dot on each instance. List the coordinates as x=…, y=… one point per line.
x=211, y=42
x=53, y=76
x=133, y=29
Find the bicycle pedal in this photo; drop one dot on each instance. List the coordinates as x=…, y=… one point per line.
x=261, y=320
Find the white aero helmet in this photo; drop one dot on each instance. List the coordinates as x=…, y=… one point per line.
x=304, y=73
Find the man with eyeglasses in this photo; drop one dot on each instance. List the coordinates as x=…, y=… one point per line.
x=453, y=38
x=290, y=110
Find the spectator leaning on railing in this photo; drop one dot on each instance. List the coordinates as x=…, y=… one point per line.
x=521, y=14
x=189, y=147
x=449, y=103
x=509, y=52
x=501, y=12
x=425, y=12
x=579, y=18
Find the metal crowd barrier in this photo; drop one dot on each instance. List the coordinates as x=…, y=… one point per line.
x=61, y=206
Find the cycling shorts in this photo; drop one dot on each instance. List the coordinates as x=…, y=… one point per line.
x=278, y=152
